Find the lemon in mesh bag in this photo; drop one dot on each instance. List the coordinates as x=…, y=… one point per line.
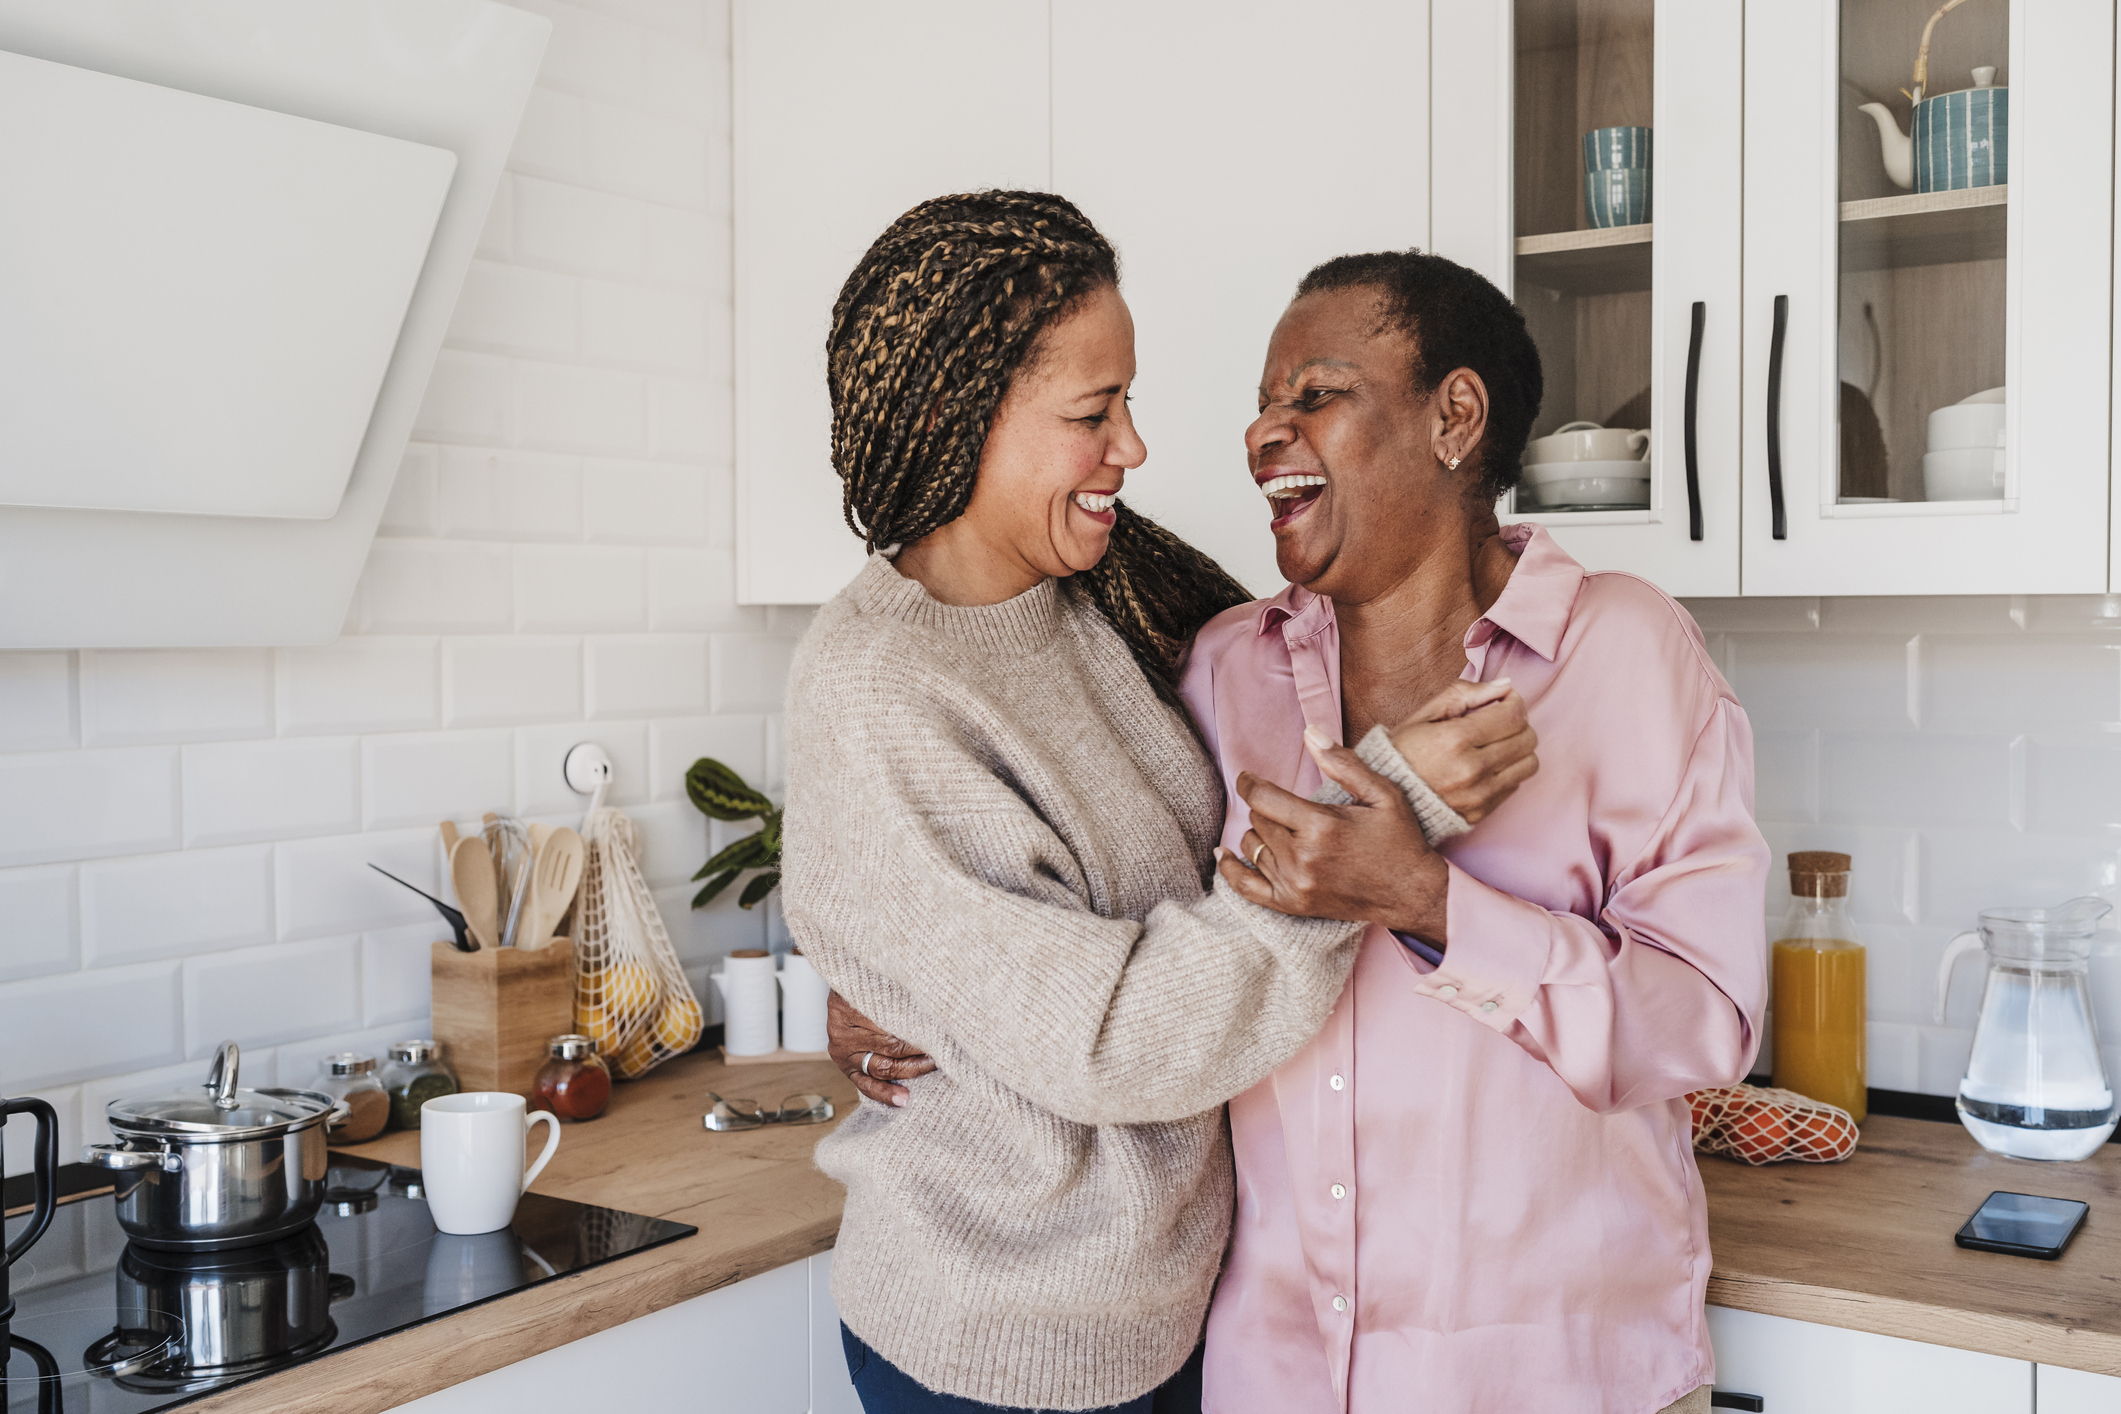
x=631, y=996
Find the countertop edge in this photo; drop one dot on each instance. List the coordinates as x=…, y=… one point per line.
x=2096, y=1352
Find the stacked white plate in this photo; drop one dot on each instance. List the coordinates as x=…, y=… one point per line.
x=1583, y=465
x=1966, y=456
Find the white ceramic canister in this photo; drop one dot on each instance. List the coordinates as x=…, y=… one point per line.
x=802, y=1004
x=750, y=1003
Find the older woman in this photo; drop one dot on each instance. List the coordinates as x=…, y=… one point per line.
x=999, y=824
x=1474, y=1189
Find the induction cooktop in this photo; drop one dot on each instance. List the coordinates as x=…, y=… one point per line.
x=105, y=1325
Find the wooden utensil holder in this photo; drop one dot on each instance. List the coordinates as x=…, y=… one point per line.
x=495, y=1009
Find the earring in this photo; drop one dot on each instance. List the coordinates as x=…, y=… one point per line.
x=1452, y=463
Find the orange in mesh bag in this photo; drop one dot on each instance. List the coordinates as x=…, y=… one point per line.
x=631, y=998
x=1759, y=1126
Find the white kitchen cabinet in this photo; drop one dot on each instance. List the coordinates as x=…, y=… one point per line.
x=1220, y=192
x=2075, y=1391
x=1888, y=306
x=1797, y=1367
x=847, y=114
x=768, y=1345
x=1632, y=331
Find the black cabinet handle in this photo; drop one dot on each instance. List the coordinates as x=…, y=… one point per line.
x=1774, y=416
x=1723, y=1398
x=1693, y=393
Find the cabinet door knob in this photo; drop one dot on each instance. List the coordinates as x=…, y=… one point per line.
x=1693, y=391
x=1774, y=415
x=1726, y=1399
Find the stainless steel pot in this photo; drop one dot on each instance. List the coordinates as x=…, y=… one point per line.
x=212, y=1167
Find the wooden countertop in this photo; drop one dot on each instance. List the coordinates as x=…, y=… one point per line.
x=1867, y=1244
x=757, y=1199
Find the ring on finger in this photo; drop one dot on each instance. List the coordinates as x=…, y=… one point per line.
x=1257, y=850
x=867, y=1056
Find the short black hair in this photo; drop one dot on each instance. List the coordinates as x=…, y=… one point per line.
x=1455, y=318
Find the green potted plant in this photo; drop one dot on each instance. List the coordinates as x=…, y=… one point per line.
x=721, y=794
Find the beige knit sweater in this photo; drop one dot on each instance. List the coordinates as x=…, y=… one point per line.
x=996, y=845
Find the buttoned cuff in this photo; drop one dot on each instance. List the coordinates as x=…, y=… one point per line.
x=1495, y=955
x=1438, y=821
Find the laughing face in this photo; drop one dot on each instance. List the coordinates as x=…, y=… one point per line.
x=1349, y=453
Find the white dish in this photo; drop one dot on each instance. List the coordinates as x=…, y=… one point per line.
x=1869, y=501
x=1962, y=425
x=1986, y=395
x=1587, y=442
x=1599, y=492
x=1546, y=473
x=1963, y=474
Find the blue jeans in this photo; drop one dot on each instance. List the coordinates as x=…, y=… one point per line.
x=886, y=1389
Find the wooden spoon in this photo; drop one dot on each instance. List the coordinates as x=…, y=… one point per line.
x=471, y=870
x=554, y=877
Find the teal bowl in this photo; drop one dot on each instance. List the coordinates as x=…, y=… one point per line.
x=1615, y=149
x=1617, y=197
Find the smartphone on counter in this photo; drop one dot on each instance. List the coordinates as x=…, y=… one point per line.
x=2023, y=1225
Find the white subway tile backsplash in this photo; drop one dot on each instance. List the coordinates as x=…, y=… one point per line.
x=497, y=236
x=685, y=19
x=644, y=502
x=420, y=778
x=85, y=1024
x=685, y=418
x=411, y=507
x=2073, y=785
x=2072, y=613
x=644, y=326
x=509, y=495
x=541, y=788
x=738, y=742
x=301, y=1062
x=1940, y=1058
x=550, y=142
x=645, y=155
x=1889, y=778
x=682, y=250
x=325, y=886
x=1885, y=869
x=750, y=671
x=567, y=407
x=467, y=399
x=502, y=681
x=2030, y=682
x=360, y=685
x=593, y=53
x=87, y=804
x=260, y=997
x=150, y=695
x=1795, y=681
x=269, y=790
x=1893, y=1056
x=580, y=588
x=696, y=589
x=673, y=840
x=1755, y=615
x=36, y=701
x=396, y=969
x=254, y=1069
x=681, y=83
x=649, y=676
x=512, y=309
x=42, y=913
x=1964, y=873
x=174, y=905
x=566, y=228
x=436, y=586
x=1940, y=613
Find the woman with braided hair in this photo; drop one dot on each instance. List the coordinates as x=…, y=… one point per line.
x=999, y=833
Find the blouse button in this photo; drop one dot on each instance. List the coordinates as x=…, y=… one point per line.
x=1336, y=1082
x=1487, y=1006
x=1447, y=991
x=1339, y=1191
x=1340, y=1303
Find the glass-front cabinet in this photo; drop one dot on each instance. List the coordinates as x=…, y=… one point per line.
x=1928, y=270
x=1821, y=287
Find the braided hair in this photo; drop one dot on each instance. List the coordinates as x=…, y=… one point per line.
x=941, y=313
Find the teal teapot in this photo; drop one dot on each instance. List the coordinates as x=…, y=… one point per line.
x=1958, y=140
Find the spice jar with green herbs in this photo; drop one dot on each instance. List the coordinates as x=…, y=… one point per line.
x=352, y=1078
x=414, y=1076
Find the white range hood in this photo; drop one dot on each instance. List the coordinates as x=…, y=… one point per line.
x=231, y=235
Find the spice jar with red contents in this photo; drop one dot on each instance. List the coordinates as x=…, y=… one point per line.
x=575, y=1083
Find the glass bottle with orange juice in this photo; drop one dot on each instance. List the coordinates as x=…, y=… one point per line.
x=1818, y=987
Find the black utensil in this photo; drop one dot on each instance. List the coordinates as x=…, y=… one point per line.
x=452, y=917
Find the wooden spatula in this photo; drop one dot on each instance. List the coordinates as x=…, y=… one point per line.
x=471, y=870
x=555, y=875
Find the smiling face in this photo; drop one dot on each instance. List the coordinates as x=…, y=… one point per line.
x=1349, y=452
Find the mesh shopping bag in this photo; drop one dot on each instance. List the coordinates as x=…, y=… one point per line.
x=631, y=998
x=1760, y=1126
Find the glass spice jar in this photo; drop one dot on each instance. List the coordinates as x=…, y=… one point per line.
x=575, y=1083
x=414, y=1076
x=352, y=1078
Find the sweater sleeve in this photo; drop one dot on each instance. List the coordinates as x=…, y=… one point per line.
x=1666, y=996
x=932, y=868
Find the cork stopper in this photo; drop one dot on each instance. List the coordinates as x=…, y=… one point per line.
x=750, y=952
x=1819, y=873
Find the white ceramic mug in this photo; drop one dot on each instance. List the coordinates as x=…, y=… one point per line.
x=471, y=1158
x=1587, y=441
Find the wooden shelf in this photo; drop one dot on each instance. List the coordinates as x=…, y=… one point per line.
x=1924, y=228
x=1599, y=262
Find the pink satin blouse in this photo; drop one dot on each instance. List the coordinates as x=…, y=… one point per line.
x=1474, y=1190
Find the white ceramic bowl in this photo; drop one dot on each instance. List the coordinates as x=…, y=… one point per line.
x=1966, y=425
x=1606, y=492
x=1587, y=442
x=1546, y=473
x=1986, y=395
x=1963, y=474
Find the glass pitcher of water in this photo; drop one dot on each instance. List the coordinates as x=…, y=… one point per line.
x=2035, y=1086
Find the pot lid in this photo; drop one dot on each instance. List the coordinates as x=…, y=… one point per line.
x=218, y=1107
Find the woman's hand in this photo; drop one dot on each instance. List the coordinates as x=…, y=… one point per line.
x=853, y=1040
x=1362, y=862
x=1473, y=744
